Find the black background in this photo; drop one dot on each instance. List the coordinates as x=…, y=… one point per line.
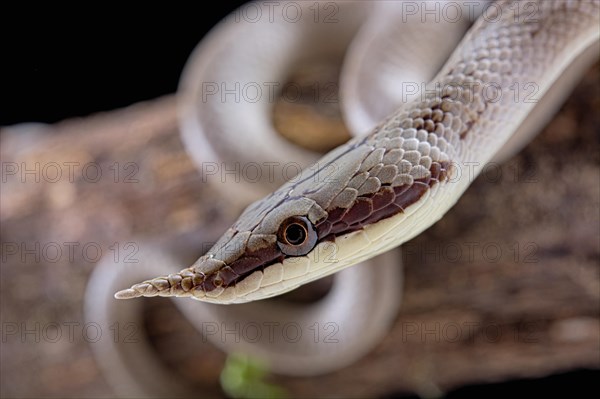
x=63, y=62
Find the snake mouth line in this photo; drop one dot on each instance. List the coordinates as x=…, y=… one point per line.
x=227, y=277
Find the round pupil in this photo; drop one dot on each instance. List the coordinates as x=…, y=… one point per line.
x=295, y=234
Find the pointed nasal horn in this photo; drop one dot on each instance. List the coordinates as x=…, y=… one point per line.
x=183, y=284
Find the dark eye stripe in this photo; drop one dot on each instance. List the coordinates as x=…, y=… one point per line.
x=387, y=202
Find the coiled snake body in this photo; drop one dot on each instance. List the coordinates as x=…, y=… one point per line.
x=382, y=188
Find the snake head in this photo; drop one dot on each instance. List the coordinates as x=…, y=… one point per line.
x=277, y=244
x=264, y=253
x=331, y=216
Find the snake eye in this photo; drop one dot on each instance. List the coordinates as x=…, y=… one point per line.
x=296, y=236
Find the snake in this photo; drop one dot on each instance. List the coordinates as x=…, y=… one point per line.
x=411, y=158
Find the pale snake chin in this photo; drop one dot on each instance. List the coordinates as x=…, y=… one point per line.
x=447, y=91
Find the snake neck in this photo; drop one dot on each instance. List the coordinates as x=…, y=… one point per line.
x=501, y=69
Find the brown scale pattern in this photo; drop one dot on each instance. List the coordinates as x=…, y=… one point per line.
x=386, y=202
